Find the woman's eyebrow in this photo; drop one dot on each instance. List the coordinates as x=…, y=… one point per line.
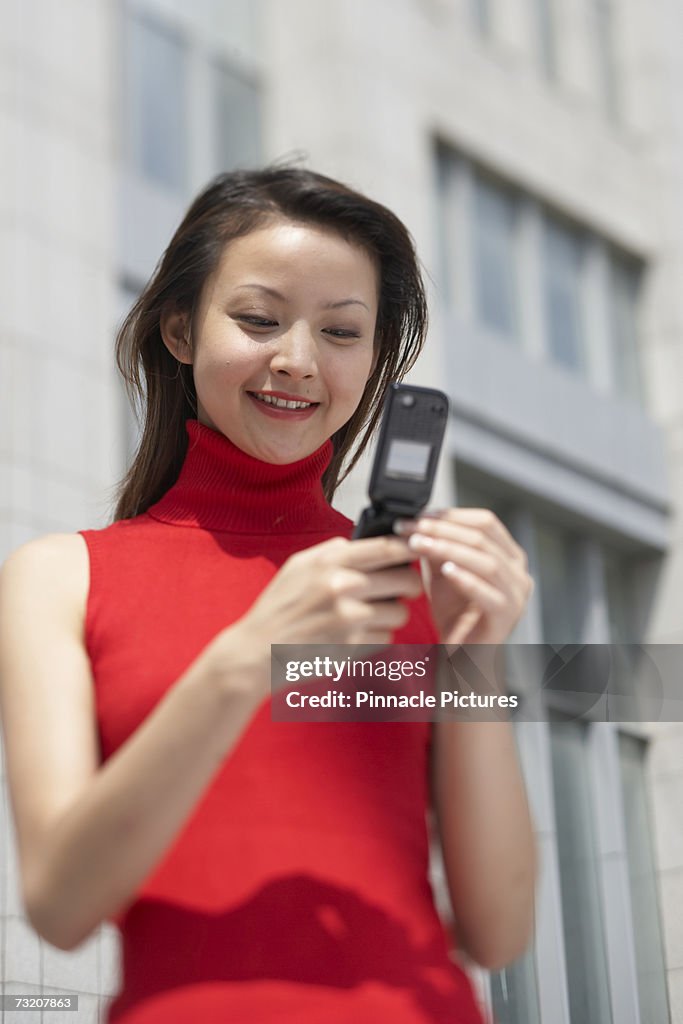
x=279, y=295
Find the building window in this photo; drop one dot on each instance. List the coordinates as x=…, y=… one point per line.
x=514, y=992
x=547, y=37
x=562, y=593
x=482, y=13
x=647, y=932
x=603, y=14
x=237, y=132
x=619, y=594
x=587, y=983
x=156, y=101
x=624, y=290
x=446, y=219
x=490, y=245
x=495, y=258
x=563, y=262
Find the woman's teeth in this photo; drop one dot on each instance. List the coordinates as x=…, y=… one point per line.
x=281, y=403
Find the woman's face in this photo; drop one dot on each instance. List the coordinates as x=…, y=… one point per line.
x=289, y=314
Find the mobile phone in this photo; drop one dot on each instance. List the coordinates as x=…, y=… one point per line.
x=411, y=434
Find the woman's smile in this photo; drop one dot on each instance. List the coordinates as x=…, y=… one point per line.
x=281, y=406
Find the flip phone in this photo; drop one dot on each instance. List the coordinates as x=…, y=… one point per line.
x=411, y=434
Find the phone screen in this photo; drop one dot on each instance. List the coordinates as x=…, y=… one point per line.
x=408, y=459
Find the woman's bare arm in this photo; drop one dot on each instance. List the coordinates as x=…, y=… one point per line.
x=487, y=836
x=89, y=835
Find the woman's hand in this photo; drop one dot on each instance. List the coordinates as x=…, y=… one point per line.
x=340, y=591
x=478, y=583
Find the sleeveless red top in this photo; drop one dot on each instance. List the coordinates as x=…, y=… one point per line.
x=298, y=889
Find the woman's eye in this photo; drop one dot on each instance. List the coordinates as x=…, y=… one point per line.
x=261, y=321
x=339, y=333
x=257, y=321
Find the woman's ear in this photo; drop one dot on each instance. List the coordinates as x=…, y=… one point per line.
x=173, y=330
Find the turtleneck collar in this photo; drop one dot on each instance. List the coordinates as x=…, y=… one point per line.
x=220, y=487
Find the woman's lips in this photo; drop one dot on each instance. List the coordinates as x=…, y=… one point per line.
x=282, y=414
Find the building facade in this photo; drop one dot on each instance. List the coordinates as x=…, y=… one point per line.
x=535, y=150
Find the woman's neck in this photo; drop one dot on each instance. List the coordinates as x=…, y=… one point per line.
x=220, y=487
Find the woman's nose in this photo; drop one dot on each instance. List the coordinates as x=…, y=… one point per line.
x=296, y=353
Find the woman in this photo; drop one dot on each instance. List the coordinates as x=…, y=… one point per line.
x=262, y=871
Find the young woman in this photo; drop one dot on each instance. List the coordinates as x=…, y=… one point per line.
x=262, y=871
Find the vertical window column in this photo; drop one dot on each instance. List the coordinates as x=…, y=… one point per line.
x=645, y=924
x=624, y=282
x=156, y=101
x=481, y=12
x=577, y=934
x=462, y=198
x=546, y=34
x=604, y=20
x=454, y=199
x=612, y=871
x=515, y=991
x=587, y=978
x=595, y=620
x=530, y=276
x=236, y=118
x=198, y=140
x=563, y=277
x=494, y=236
x=599, y=368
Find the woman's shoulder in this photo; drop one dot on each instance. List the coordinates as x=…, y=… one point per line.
x=62, y=557
x=59, y=562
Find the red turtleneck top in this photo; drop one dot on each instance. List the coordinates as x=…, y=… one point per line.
x=298, y=888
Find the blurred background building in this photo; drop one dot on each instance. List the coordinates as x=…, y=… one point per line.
x=535, y=150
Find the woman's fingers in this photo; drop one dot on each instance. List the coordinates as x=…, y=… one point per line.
x=374, y=615
x=387, y=583
x=370, y=553
x=479, y=528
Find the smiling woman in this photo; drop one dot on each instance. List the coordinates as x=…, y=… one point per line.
x=291, y=348
x=257, y=870
x=378, y=301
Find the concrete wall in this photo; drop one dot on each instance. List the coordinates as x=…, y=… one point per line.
x=60, y=436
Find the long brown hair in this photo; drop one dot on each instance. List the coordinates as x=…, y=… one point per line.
x=232, y=205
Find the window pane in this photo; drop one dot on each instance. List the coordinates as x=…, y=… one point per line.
x=652, y=993
x=445, y=178
x=606, y=56
x=545, y=22
x=156, y=101
x=582, y=924
x=619, y=599
x=514, y=992
x=481, y=15
x=563, y=264
x=624, y=285
x=495, y=217
x=471, y=495
x=561, y=590
x=238, y=120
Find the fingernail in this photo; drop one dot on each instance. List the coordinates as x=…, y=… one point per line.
x=402, y=525
x=418, y=541
x=450, y=569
